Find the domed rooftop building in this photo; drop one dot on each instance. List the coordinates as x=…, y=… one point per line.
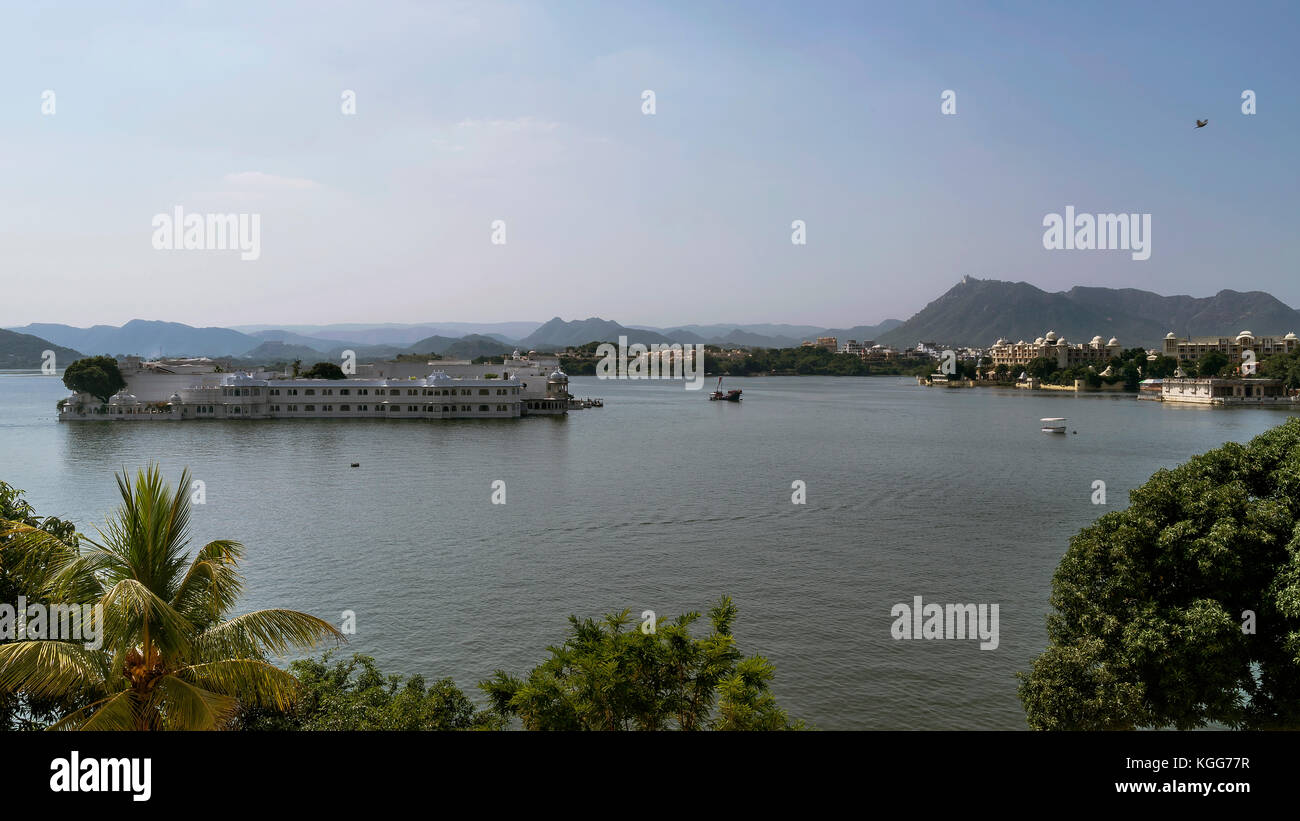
x=1054, y=346
x=1189, y=349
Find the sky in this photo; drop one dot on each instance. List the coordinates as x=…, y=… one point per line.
x=532, y=114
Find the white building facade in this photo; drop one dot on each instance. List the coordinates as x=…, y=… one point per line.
x=246, y=396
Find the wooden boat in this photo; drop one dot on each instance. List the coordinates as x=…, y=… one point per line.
x=729, y=396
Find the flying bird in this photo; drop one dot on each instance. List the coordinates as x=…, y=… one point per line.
x=1202, y=123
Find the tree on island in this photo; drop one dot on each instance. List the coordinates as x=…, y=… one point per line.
x=1184, y=609
x=98, y=376
x=324, y=370
x=608, y=677
x=170, y=658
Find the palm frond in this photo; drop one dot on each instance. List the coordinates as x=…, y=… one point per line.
x=48, y=669
x=274, y=631
x=213, y=583
x=32, y=554
x=119, y=711
x=187, y=706
x=131, y=608
x=251, y=680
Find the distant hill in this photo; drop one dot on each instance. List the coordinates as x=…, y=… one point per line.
x=146, y=338
x=434, y=344
x=318, y=343
x=769, y=335
x=392, y=333
x=273, y=351
x=558, y=334
x=21, y=351
x=475, y=345
x=978, y=311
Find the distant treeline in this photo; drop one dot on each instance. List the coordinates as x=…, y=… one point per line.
x=801, y=361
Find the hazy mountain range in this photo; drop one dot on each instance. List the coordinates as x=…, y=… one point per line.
x=977, y=311
x=973, y=312
x=24, y=351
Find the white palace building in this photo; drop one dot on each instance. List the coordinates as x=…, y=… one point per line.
x=243, y=395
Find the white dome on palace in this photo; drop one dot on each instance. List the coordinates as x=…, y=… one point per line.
x=1061, y=342
x=559, y=375
x=1038, y=341
x=1051, y=336
x=1113, y=341
x=1245, y=333
x=1290, y=335
x=175, y=399
x=1170, y=335
x=1096, y=339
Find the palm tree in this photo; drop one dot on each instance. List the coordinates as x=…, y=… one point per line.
x=170, y=658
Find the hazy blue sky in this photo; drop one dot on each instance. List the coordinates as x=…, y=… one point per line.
x=531, y=113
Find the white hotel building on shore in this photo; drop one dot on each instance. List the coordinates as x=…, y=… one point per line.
x=526, y=392
x=1050, y=346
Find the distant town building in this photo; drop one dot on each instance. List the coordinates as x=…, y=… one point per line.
x=830, y=343
x=855, y=347
x=1050, y=346
x=1193, y=348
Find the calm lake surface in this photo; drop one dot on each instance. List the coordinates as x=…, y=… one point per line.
x=659, y=501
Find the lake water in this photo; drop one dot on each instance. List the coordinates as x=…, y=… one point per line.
x=659, y=501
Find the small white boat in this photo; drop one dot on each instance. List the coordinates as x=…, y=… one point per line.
x=1053, y=424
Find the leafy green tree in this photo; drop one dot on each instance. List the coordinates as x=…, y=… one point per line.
x=297, y=368
x=1284, y=366
x=1041, y=367
x=324, y=370
x=355, y=695
x=1162, y=367
x=98, y=376
x=1150, y=626
x=1212, y=364
x=17, y=710
x=608, y=677
x=170, y=658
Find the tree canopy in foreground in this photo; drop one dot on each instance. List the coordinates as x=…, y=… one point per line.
x=168, y=654
x=1184, y=609
x=612, y=675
